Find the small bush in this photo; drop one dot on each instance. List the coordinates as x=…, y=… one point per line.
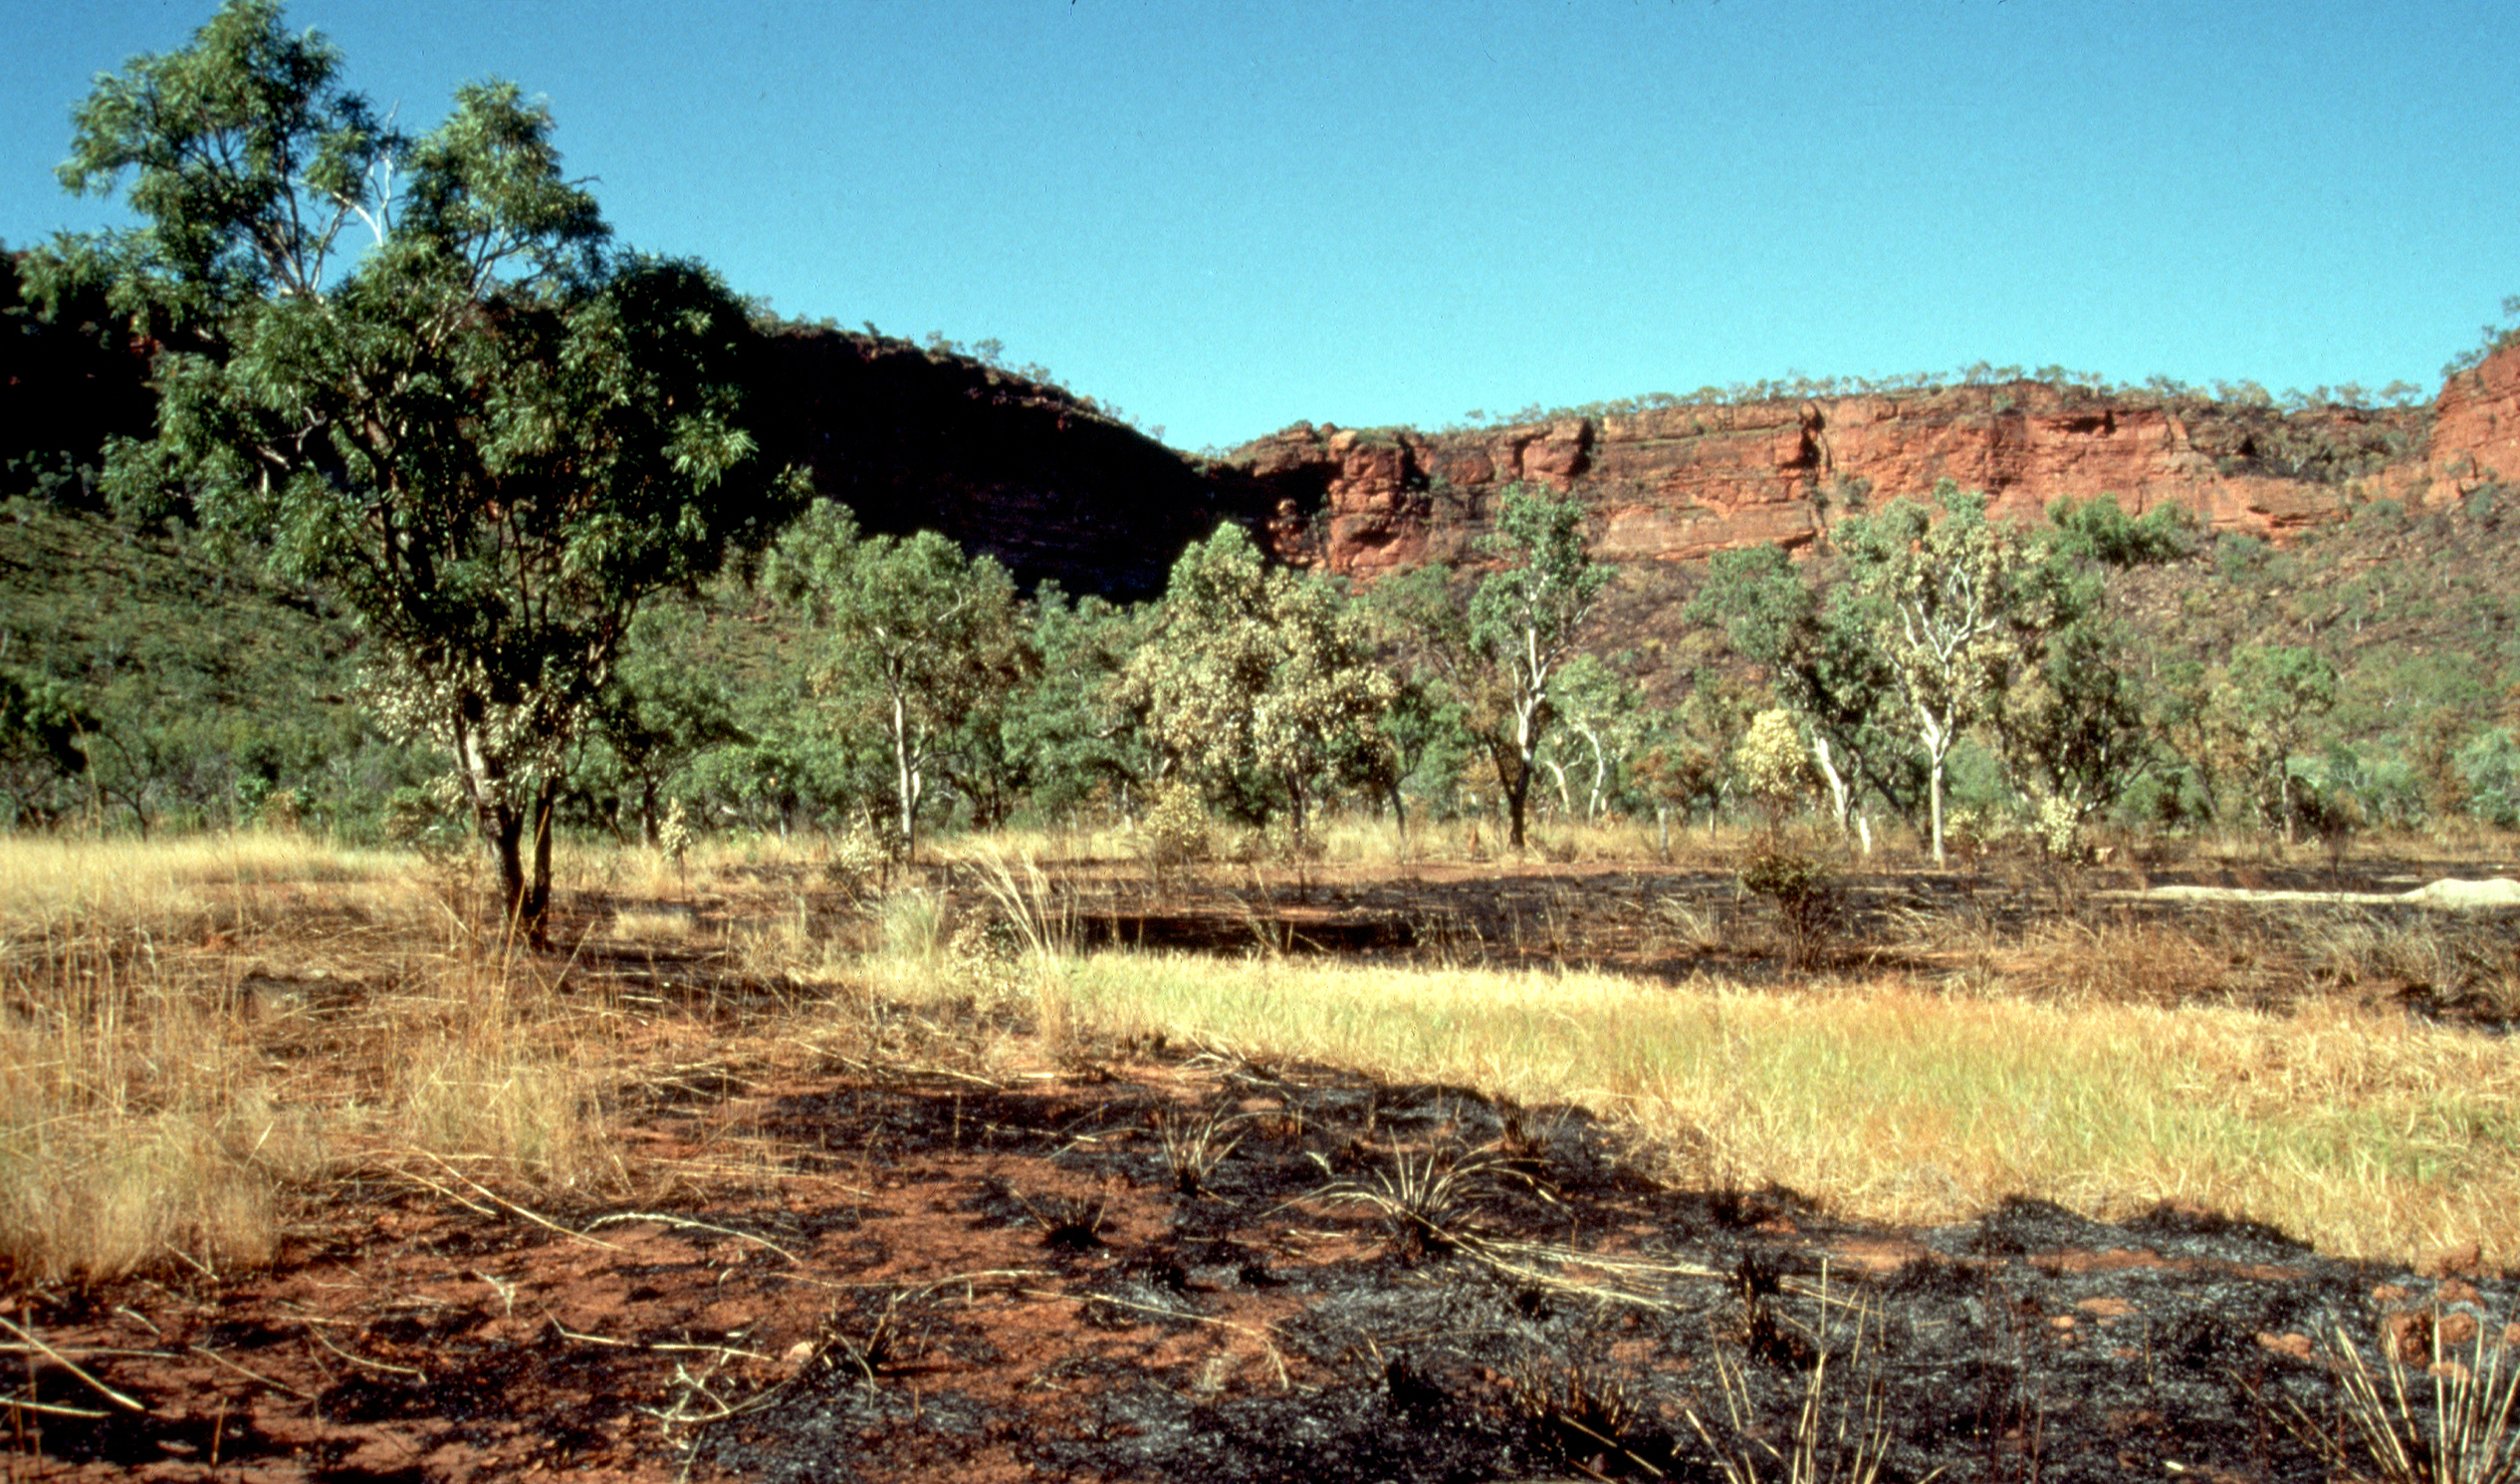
x=1804, y=891
x=1175, y=831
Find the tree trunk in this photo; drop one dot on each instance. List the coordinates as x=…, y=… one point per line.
x=1841, y=797
x=525, y=902
x=1518, y=795
x=505, y=830
x=906, y=777
x=535, y=915
x=1937, y=791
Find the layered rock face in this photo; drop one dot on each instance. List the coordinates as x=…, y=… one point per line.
x=1680, y=482
x=2476, y=426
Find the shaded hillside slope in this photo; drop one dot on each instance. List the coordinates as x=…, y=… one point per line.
x=1024, y=471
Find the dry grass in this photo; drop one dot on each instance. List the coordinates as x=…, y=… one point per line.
x=195, y=1033
x=2361, y=1130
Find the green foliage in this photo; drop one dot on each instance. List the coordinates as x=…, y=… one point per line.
x=69, y=382
x=2490, y=338
x=1076, y=739
x=917, y=642
x=670, y=703
x=491, y=439
x=1495, y=649
x=160, y=686
x=1813, y=630
x=1257, y=682
x=2097, y=530
x=2490, y=769
x=2260, y=714
x=1600, y=724
x=1950, y=589
x=1804, y=892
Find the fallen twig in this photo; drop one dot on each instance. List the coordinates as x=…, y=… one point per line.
x=215, y=1358
x=72, y=1367
x=1275, y=1361
x=22, y=1404
x=488, y=1195
x=686, y=1222
x=386, y=1367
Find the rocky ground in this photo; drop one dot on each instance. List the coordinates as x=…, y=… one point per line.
x=1149, y=1263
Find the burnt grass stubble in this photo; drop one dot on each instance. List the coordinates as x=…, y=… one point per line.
x=1454, y=1288
x=2031, y=1343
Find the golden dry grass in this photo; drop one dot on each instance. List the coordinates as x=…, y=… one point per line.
x=2361, y=1130
x=195, y=1032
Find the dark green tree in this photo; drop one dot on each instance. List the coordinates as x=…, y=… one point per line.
x=671, y=702
x=492, y=434
x=1076, y=739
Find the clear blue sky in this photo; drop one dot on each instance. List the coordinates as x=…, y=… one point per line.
x=1226, y=217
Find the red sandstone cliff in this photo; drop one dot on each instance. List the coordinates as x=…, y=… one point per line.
x=2476, y=426
x=1680, y=482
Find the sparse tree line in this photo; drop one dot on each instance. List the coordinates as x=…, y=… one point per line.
x=1937, y=669
x=507, y=463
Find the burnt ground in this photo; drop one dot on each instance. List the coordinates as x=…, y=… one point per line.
x=1150, y=1263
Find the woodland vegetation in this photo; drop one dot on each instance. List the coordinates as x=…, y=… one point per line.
x=344, y=490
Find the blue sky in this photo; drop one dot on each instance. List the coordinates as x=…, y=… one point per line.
x=1224, y=217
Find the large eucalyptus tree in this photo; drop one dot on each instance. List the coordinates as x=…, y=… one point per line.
x=1255, y=674
x=418, y=369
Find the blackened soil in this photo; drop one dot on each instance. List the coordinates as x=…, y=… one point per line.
x=1152, y=1266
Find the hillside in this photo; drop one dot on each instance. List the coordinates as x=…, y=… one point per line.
x=916, y=438
x=1005, y=462
x=2377, y=535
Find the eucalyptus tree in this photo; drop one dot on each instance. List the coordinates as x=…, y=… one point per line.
x=1253, y=674
x=916, y=638
x=1499, y=646
x=2069, y=716
x=491, y=432
x=2260, y=714
x=1076, y=739
x=1945, y=584
x=1817, y=634
x=1602, y=722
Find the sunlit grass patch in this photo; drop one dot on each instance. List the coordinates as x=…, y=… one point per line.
x=196, y=1033
x=2366, y=1134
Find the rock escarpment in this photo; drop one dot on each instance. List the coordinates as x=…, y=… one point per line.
x=1678, y=482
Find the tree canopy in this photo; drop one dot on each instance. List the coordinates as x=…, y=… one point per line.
x=492, y=431
x=1257, y=675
